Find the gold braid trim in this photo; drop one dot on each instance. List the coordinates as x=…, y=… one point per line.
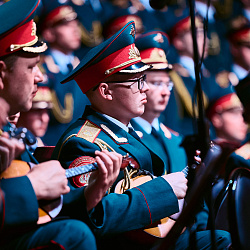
x=63, y=115
x=103, y=145
x=127, y=175
x=94, y=36
x=109, y=71
x=39, y=49
x=63, y=144
x=18, y=46
x=185, y=95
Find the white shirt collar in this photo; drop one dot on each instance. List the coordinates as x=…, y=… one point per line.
x=202, y=9
x=62, y=60
x=239, y=71
x=146, y=125
x=247, y=14
x=188, y=64
x=118, y=123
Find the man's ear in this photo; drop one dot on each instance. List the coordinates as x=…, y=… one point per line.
x=3, y=68
x=105, y=91
x=178, y=43
x=216, y=120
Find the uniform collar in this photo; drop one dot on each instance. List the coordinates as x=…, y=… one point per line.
x=202, y=9
x=188, y=64
x=146, y=125
x=239, y=71
x=118, y=123
x=62, y=60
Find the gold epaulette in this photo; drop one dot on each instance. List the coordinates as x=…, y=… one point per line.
x=166, y=131
x=78, y=2
x=214, y=44
x=180, y=70
x=93, y=37
x=88, y=131
x=222, y=78
x=75, y=62
x=244, y=151
x=63, y=115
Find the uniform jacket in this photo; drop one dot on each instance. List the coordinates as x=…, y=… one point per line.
x=67, y=99
x=239, y=158
x=138, y=206
x=172, y=153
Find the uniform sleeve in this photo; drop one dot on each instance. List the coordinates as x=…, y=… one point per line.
x=136, y=208
x=117, y=213
x=19, y=204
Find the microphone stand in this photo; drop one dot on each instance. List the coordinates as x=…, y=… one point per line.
x=203, y=130
x=201, y=141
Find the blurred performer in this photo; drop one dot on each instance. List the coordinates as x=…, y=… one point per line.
x=153, y=47
x=36, y=120
x=113, y=77
x=226, y=116
x=182, y=110
x=60, y=28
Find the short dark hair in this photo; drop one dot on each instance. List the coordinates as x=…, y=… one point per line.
x=10, y=60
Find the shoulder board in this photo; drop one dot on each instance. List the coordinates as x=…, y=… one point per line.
x=222, y=78
x=166, y=131
x=88, y=131
x=244, y=151
x=76, y=61
x=184, y=94
x=78, y=2
x=181, y=70
x=113, y=135
x=139, y=133
x=93, y=37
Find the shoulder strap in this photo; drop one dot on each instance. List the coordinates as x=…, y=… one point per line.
x=244, y=151
x=88, y=131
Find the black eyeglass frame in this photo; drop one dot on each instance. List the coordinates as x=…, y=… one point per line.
x=141, y=80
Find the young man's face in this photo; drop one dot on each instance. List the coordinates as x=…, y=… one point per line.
x=241, y=55
x=20, y=82
x=185, y=44
x=128, y=100
x=230, y=125
x=36, y=120
x=159, y=92
x=67, y=36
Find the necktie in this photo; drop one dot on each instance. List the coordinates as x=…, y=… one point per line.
x=159, y=137
x=70, y=67
x=156, y=134
x=133, y=133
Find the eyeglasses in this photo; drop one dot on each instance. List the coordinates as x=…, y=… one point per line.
x=234, y=111
x=140, y=82
x=160, y=85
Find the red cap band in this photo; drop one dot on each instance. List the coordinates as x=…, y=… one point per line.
x=23, y=36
